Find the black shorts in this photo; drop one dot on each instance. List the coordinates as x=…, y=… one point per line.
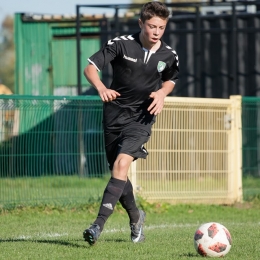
x=117, y=118
x=129, y=141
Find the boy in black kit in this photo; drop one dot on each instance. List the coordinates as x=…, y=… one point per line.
x=144, y=72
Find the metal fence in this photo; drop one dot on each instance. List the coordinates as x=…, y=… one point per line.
x=195, y=153
x=52, y=150
x=51, y=136
x=217, y=43
x=251, y=136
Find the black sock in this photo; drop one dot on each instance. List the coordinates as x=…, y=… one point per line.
x=127, y=201
x=112, y=193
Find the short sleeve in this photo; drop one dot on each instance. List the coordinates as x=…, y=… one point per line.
x=171, y=71
x=105, y=55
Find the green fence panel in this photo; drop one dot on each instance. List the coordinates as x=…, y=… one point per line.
x=52, y=148
x=251, y=136
x=56, y=139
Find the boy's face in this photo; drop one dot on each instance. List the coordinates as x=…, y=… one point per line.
x=152, y=30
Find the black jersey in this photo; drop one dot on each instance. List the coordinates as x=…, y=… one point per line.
x=137, y=72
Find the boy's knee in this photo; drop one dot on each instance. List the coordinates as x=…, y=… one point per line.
x=121, y=166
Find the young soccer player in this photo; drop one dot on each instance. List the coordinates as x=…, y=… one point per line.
x=144, y=72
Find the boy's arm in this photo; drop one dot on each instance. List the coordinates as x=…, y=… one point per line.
x=93, y=78
x=158, y=97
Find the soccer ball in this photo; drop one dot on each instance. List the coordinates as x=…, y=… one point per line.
x=212, y=239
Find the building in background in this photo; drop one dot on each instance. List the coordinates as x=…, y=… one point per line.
x=217, y=43
x=46, y=53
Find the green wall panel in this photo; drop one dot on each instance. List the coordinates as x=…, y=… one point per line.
x=46, y=56
x=65, y=62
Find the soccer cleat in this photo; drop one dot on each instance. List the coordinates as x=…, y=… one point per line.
x=91, y=234
x=137, y=234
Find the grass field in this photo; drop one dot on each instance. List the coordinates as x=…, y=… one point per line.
x=58, y=190
x=54, y=232
x=73, y=190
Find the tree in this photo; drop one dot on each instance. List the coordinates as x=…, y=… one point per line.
x=7, y=53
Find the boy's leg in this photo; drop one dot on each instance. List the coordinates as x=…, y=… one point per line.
x=112, y=193
x=111, y=196
x=133, y=141
x=118, y=148
x=136, y=216
x=127, y=201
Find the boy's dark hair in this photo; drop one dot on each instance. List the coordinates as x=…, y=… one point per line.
x=152, y=9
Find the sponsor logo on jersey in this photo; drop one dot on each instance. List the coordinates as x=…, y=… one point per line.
x=161, y=66
x=131, y=59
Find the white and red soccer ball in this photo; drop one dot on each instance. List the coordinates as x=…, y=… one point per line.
x=212, y=239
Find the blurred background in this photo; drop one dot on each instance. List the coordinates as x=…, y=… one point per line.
x=44, y=48
x=51, y=126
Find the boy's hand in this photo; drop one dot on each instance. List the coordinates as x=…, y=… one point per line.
x=108, y=95
x=158, y=101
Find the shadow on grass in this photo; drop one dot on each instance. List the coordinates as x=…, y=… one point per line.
x=59, y=242
x=45, y=241
x=189, y=255
x=116, y=240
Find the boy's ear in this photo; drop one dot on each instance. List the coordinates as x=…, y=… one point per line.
x=140, y=23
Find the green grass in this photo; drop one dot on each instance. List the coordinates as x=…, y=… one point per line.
x=53, y=231
x=58, y=190
x=251, y=188
x=56, y=233
x=74, y=190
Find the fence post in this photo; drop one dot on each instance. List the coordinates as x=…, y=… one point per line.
x=78, y=53
x=234, y=50
x=198, y=90
x=237, y=145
